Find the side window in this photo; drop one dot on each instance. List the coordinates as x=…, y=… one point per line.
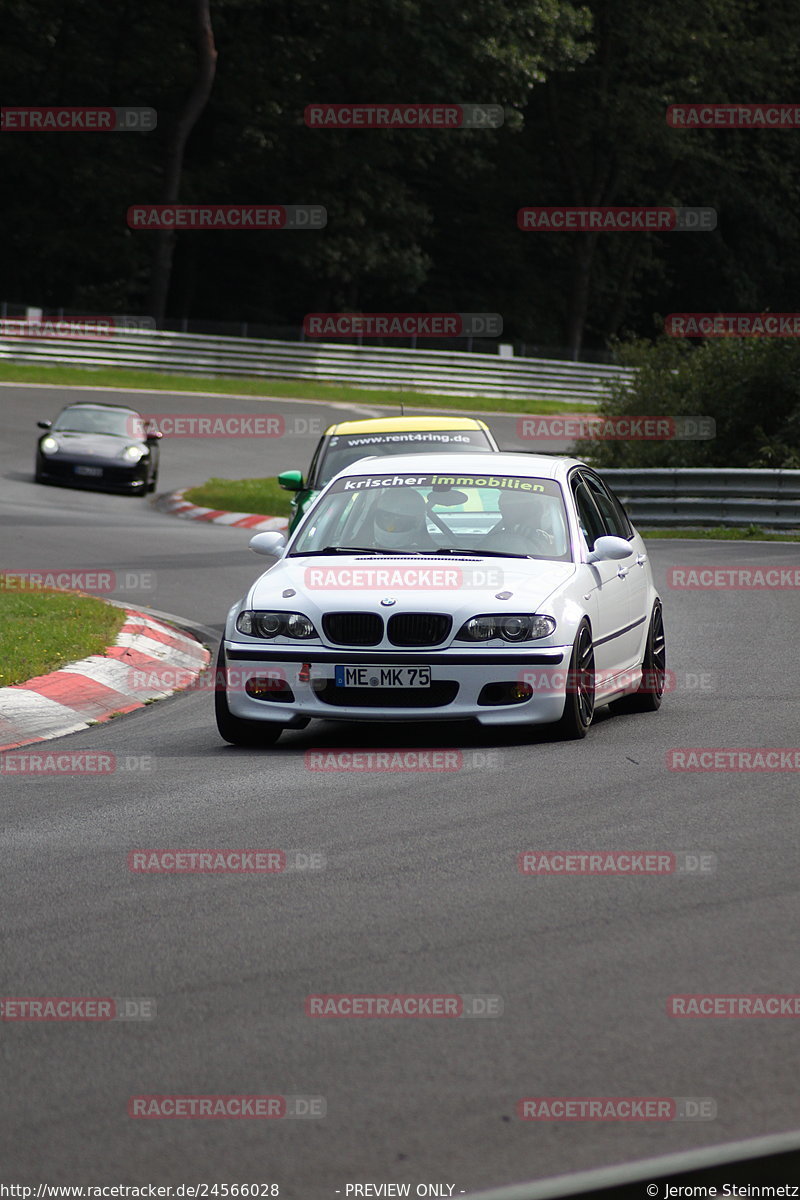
x=588, y=517
x=612, y=512
x=315, y=462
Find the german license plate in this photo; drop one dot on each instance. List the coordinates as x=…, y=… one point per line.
x=95, y=471
x=383, y=677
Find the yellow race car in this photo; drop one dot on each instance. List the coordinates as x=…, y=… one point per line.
x=380, y=437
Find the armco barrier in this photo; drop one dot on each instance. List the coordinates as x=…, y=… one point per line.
x=454, y=373
x=708, y=496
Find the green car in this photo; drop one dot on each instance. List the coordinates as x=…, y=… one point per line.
x=346, y=442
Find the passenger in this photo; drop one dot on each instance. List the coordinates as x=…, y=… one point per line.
x=520, y=529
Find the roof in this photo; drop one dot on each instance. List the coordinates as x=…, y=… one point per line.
x=99, y=404
x=404, y=424
x=542, y=466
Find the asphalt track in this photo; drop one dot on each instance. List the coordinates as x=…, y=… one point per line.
x=421, y=893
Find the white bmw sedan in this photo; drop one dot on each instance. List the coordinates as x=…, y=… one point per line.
x=510, y=592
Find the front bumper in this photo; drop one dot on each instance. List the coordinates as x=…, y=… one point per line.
x=458, y=677
x=115, y=476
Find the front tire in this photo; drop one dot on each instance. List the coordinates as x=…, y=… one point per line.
x=237, y=730
x=654, y=671
x=579, y=703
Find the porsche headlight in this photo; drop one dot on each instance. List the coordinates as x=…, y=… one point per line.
x=133, y=454
x=511, y=627
x=276, y=624
x=48, y=445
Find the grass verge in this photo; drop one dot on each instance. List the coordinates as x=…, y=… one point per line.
x=276, y=389
x=41, y=630
x=262, y=496
x=751, y=533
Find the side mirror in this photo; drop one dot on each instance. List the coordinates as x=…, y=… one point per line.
x=272, y=543
x=153, y=435
x=44, y=424
x=610, y=548
x=291, y=481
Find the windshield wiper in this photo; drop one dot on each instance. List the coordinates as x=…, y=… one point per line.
x=344, y=550
x=476, y=553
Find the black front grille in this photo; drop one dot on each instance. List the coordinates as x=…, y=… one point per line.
x=419, y=629
x=441, y=692
x=353, y=628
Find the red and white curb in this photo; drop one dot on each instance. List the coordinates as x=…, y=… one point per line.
x=177, y=506
x=145, y=653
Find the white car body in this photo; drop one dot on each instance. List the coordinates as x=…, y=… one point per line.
x=616, y=596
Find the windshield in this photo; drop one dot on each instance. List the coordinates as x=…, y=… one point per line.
x=491, y=514
x=342, y=451
x=99, y=420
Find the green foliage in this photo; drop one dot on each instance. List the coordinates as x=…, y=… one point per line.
x=749, y=386
x=417, y=220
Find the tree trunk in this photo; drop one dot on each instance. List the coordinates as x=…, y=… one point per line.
x=164, y=248
x=579, y=294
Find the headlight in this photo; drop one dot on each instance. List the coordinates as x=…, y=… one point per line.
x=511, y=627
x=133, y=453
x=276, y=624
x=48, y=445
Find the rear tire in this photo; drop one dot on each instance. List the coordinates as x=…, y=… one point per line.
x=237, y=730
x=579, y=703
x=654, y=673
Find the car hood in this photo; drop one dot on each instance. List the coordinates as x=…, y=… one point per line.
x=99, y=445
x=426, y=583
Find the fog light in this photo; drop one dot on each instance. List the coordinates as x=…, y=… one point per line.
x=522, y=691
x=259, y=686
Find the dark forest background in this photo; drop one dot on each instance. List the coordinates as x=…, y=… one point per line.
x=416, y=220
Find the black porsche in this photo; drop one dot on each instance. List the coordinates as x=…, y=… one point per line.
x=102, y=446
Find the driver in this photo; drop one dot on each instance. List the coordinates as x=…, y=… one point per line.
x=520, y=528
x=399, y=521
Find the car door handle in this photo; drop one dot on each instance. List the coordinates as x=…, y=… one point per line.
x=641, y=559
x=622, y=573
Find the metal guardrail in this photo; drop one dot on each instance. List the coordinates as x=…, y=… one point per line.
x=453, y=373
x=708, y=496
